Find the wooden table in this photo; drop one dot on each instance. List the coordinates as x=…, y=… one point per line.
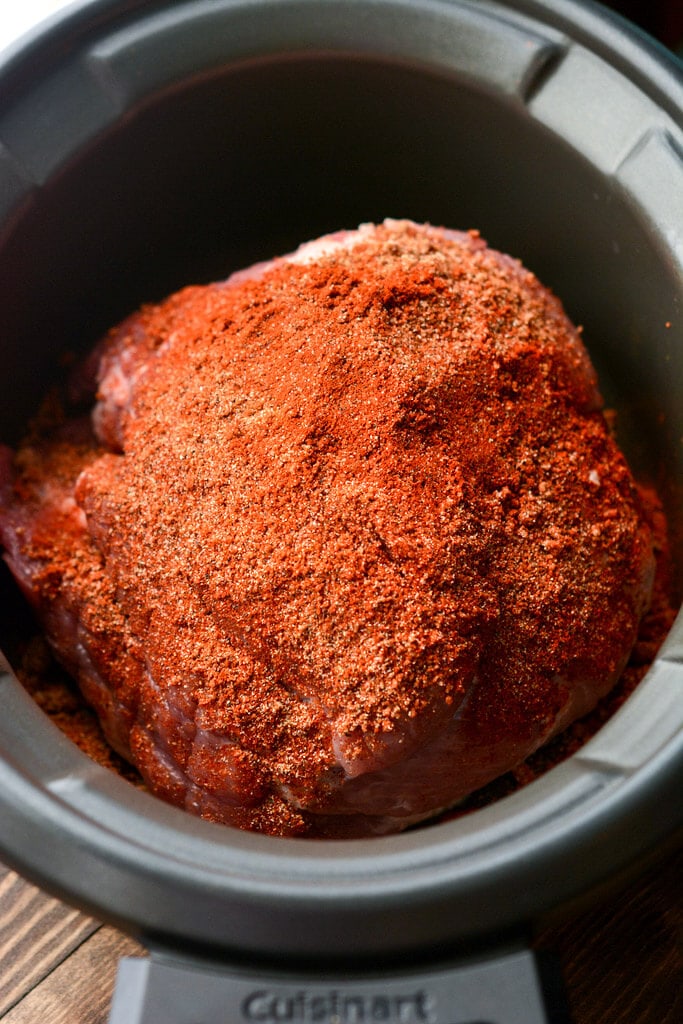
x=622, y=960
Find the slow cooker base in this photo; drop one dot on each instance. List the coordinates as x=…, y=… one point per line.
x=511, y=988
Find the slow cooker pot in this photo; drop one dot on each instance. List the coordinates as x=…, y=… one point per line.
x=146, y=144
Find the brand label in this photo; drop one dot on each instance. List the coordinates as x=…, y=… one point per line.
x=333, y=1007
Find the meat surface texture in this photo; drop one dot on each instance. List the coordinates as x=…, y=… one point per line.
x=340, y=539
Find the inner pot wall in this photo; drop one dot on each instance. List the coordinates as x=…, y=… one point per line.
x=145, y=146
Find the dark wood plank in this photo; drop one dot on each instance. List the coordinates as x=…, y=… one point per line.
x=37, y=933
x=622, y=960
x=79, y=991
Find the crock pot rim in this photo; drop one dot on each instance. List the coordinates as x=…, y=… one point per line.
x=652, y=66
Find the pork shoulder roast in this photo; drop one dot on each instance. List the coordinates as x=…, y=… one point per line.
x=335, y=542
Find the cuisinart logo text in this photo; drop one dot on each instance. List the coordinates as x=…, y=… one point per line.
x=333, y=1007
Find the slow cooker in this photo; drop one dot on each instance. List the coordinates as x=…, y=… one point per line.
x=146, y=144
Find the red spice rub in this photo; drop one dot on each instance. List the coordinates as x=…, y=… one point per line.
x=353, y=538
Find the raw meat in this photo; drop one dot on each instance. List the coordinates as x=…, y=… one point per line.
x=344, y=538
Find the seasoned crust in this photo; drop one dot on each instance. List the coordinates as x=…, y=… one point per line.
x=352, y=539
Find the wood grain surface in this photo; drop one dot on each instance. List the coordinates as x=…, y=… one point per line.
x=622, y=960
x=57, y=966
